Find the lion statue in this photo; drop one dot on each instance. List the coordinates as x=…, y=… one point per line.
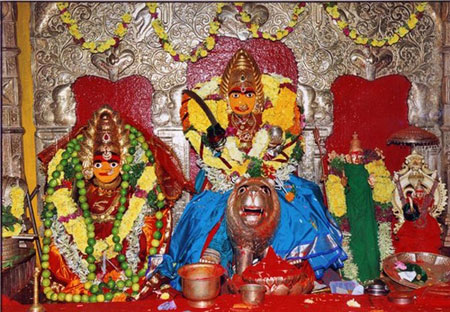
x=252, y=216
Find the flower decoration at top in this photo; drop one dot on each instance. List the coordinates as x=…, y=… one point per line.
x=200, y=51
x=333, y=11
x=281, y=33
x=92, y=46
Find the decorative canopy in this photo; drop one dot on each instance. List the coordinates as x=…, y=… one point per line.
x=413, y=136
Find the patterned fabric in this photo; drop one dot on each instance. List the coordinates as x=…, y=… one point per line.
x=306, y=231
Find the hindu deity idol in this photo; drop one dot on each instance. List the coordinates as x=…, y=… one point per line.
x=247, y=124
x=105, y=212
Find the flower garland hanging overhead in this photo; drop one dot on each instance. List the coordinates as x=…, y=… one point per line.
x=281, y=33
x=332, y=10
x=200, y=51
x=92, y=46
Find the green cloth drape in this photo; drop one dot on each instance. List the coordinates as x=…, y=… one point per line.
x=363, y=225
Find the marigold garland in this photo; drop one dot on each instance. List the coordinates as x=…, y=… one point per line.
x=281, y=112
x=200, y=51
x=17, y=196
x=66, y=206
x=332, y=10
x=383, y=187
x=281, y=33
x=92, y=46
x=335, y=196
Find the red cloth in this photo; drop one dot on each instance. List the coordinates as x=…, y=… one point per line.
x=412, y=237
x=321, y=302
x=375, y=110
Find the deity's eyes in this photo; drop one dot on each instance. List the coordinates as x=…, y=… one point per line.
x=97, y=165
x=265, y=190
x=114, y=164
x=242, y=189
x=235, y=95
x=250, y=94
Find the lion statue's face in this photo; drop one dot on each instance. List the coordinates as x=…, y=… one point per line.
x=254, y=200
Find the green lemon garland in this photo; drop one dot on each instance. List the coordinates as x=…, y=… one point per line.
x=71, y=162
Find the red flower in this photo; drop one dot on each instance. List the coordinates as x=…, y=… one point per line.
x=269, y=171
x=346, y=31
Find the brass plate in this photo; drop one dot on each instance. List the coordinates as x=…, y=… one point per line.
x=436, y=266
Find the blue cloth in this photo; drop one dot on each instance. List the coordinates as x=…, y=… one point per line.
x=306, y=231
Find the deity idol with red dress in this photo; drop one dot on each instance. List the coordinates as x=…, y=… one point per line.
x=106, y=210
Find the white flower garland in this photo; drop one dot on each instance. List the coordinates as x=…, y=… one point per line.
x=260, y=144
x=69, y=251
x=385, y=241
x=350, y=269
x=219, y=180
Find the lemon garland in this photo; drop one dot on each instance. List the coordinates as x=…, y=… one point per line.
x=92, y=46
x=200, y=51
x=61, y=212
x=17, y=196
x=281, y=33
x=332, y=10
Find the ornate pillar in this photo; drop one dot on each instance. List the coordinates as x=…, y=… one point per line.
x=12, y=131
x=445, y=14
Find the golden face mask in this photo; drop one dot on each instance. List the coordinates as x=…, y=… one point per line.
x=241, y=84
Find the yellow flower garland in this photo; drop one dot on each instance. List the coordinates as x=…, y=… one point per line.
x=383, y=187
x=53, y=164
x=201, y=51
x=332, y=10
x=382, y=190
x=281, y=33
x=282, y=99
x=335, y=196
x=65, y=205
x=17, y=196
x=280, y=114
x=92, y=46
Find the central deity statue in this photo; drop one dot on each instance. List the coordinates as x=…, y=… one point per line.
x=246, y=126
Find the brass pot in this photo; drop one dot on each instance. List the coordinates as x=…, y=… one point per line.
x=201, y=283
x=252, y=294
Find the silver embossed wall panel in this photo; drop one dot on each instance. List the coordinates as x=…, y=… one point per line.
x=12, y=131
x=322, y=52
